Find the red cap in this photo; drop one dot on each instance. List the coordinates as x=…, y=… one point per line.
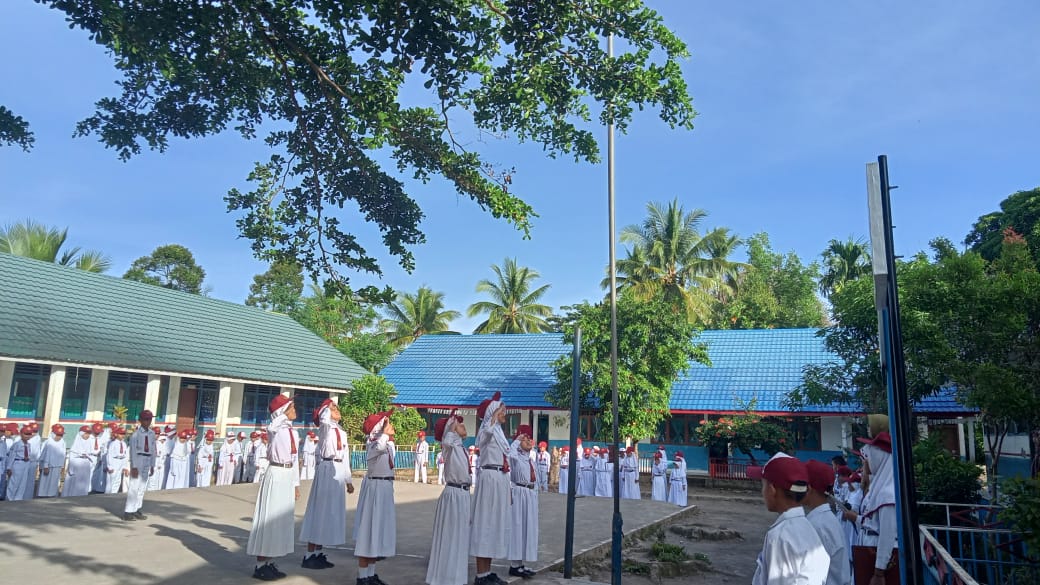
x=316, y=415
x=438, y=429
x=210, y=435
x=96, y=428
x=374, y=419
x=168, y=429
x=855, y=477
x=543, y=445
x=112, y=425
x=27, y=430
x=11, y=427
x=477, y=449
x=844, y=471
x=472, y=448
x=278, y=401
x=784, y=472
x=630, y=450
x=254, y=435
x=311, y=434
x=482, y=409
x=145, y=415
x=882, y=441
x=679, y=455
x=661, y=447
x=821, y=475
x=84, y=429
x=565, y=448
x=263, y=436
x=523, y=430
x=588, y=451
x=183, y=434
x=57, y=429
x=657, y=454
x=119, y=431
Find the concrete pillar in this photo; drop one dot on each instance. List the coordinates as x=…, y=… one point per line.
x=52, y=406
x=173, y=396
x=96, y=398
x=6, y=378
x=151, y=393
x=223, y=401
x=922, y=427
x=844, y=434
x=234, y=413
x=971, y=440
x=287, y=391
x=961, y=439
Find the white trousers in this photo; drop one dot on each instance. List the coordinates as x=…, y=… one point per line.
x=135, y=492
x=420, y=470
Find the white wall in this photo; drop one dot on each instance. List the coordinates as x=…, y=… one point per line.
x=830, y=432
x=6, y=377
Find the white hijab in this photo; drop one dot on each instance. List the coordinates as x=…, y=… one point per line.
x=882, y=491
x=490, y=425
x=377, y=430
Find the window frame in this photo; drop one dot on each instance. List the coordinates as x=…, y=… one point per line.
x=39, y=375
x=135, y=382
x=80, y=379
x=255, y=401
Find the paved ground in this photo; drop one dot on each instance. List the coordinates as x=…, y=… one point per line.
x=197, y=537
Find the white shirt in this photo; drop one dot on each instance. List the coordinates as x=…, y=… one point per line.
x=379, y=453
x=282, y=437
x=833, y=538
x=422, y=451
x=142, y=459
x=792, y=553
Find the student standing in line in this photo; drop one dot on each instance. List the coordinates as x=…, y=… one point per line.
x=828, y=528
x=226, y=461
x=449, y=553
x=77, y=477
x=659, y=483
x=309, y=461
x=604, y=467
x=422, y=456
x=325, y=521
x=142, y=466
x=249, y=469
x=204, y=460
x=375, y=521
x=179, y=475
x=565, y=463
x=490, y=526
x=261, y=458
x=22, y=460
x=791, y=552
x=162, y=452
x=876, y=558
x=273, y=516
x=523, y=535
x=677, y=482
x=542, y=462
x=52, y=461
x=116, y=457
x=587, y=484
x=99, y=477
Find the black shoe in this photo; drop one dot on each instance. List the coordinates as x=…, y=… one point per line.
x=310, y=562
x=264, y=573
x=325, y=564
x=274, y=569
x=493, y=579
x=375, y=580
x=128, y=517
x=138, y=515
x=480, y=581
x=528, y=573
x=516, y=572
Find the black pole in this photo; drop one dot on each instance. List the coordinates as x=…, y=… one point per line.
x=572, y=456
x=899, y=407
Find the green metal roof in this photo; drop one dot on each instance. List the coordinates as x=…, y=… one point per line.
x=56, y=313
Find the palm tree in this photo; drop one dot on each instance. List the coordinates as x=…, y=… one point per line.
x=34, y=240
x=670, y=257
x=514, y=306
x=413, y=316
x=843, y=261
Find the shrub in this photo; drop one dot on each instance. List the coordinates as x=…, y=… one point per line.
x=1022, y=513
x=664, y=552
x=941, y=477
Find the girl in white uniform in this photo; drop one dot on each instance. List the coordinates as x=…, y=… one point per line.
x=204, y=460
x=489, y=531
x=659, y=479
x=449, y=554
x=325, y=521
x=226, y=461
x=677, y=482
x=116, y=458
x=179, y=463
x=52, y=460
x=77, y=479
x=375, y=521
x=523, y=538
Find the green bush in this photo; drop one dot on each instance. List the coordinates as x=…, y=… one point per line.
x=941, y=477
x=662, y=551
x=1022, y=513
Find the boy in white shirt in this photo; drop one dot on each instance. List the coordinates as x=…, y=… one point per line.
x=828, y=528
x=792, y=553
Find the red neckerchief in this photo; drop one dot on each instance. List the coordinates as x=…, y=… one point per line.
x=292, y=440
x=339, y=441
x=532, y=469
x=146, y=441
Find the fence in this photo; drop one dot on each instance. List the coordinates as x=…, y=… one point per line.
x=967, y=543
x=729, y=469
x=404, y=458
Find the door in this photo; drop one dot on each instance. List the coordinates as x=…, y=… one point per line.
x=542, y=431
x=187, y=403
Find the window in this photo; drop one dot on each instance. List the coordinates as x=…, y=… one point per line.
x=512, y=423
x=126, y=389
x=209, y=391
x=164, y=395
x=255, y=400
x=74, y=396
x=306, y=401
x=805, y=430
x=588, y=427
x=28, y=390
x=679, y=429
x=431, y=419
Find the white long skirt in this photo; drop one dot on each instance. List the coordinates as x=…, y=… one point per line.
x=564, y=480
x=449, y=555
x=273, y=521
x=587, y=483
x=375, y=521
x=22, y=481
x=48, y=487
x=225, y=474
x=157, y=480
x=523, y=539
x=204, y=477
x=604, y=484
x=325, y=521
x=490, y=528
x=77, y=481
x=659, y=489
x=178, y=477
x=677, y=492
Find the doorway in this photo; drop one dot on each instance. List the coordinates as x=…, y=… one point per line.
x=542, y=428
x=187, y=404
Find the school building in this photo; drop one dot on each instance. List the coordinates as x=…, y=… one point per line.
x=78, y=347
x=440, y=372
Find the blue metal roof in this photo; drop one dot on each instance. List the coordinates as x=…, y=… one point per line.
x=764, y=364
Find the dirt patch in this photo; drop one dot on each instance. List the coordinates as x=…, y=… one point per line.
x=719, y=543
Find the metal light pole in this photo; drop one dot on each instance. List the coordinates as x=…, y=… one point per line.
x=616, y=535
x=572, y=457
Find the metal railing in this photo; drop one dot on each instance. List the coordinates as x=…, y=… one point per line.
x=940, y=568
x=995, y=556
x=734, y=469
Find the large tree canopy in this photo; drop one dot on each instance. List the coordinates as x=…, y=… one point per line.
x=1021, y=213
x=327, y=80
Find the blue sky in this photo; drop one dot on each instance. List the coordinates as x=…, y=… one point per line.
x=794, y=98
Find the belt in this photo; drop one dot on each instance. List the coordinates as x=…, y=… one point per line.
x=139, y=455
x=461, y=486
x=658, y=475
x=871, y=532
x=21, y=459
x=332, y=459
x=391, y=478
x=495, y=467
x=286, y=465
x=529, y=486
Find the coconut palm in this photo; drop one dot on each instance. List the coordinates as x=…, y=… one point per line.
x=412, y=316
x=514, y=307
x=34, y=240
x=843, y=261
x=670, y=257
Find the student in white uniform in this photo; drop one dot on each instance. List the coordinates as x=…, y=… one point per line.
x=116, y=458
x=261, y=458
x=473, y=458
x=52, y=461
x=179, y=475
x=828, y=528
x=204, y=457
x=226, y=461
x=23, y=457
x=659, y=479
x=77, y=477
x=449, y=553
x=241, y=448
x=677, y=482
x=142, y=447
x=308, y=461
x=876, y=554
x=587, y=485
x=853, y=504
x=440, y=467
x=604, y=474
x=273, y=516
x=792, y=551
x=162, y=452
x=4, y=446
x=99, y=478
x=523, y=537
x=325, y=521
x=630, y=468
x=375, y=521
x=422, y=458
x=490, y=526
x=542, y=462
x=250, y=458
x=565, y=464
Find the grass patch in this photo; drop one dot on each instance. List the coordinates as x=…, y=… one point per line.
x=664, y=552
x=635, y=567
x=702, y=558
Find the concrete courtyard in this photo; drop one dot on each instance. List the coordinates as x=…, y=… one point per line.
x=197, y=536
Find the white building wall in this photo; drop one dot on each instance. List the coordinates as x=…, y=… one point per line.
x=52, y=406
x=173, y=397
x=830, y=433
x=96, y=398
x=6, y=378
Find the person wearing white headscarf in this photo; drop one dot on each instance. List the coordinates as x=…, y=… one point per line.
x=659, y=481
x=604, y=468
x=490, y=528
x=52, y=461
x=22, y=460
x=677, y=492
x=204, y=460
x=226, y=461
x=523, y=535
x=162, y=456
x=325, y=521
x=116, y=458
x=273, y=515
x=587, y=469
x=877, y=525
x=309, y=461
x=449, y=553
x=77, y=478
x=99, y=480
x=375, y=521
x=179, y=475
